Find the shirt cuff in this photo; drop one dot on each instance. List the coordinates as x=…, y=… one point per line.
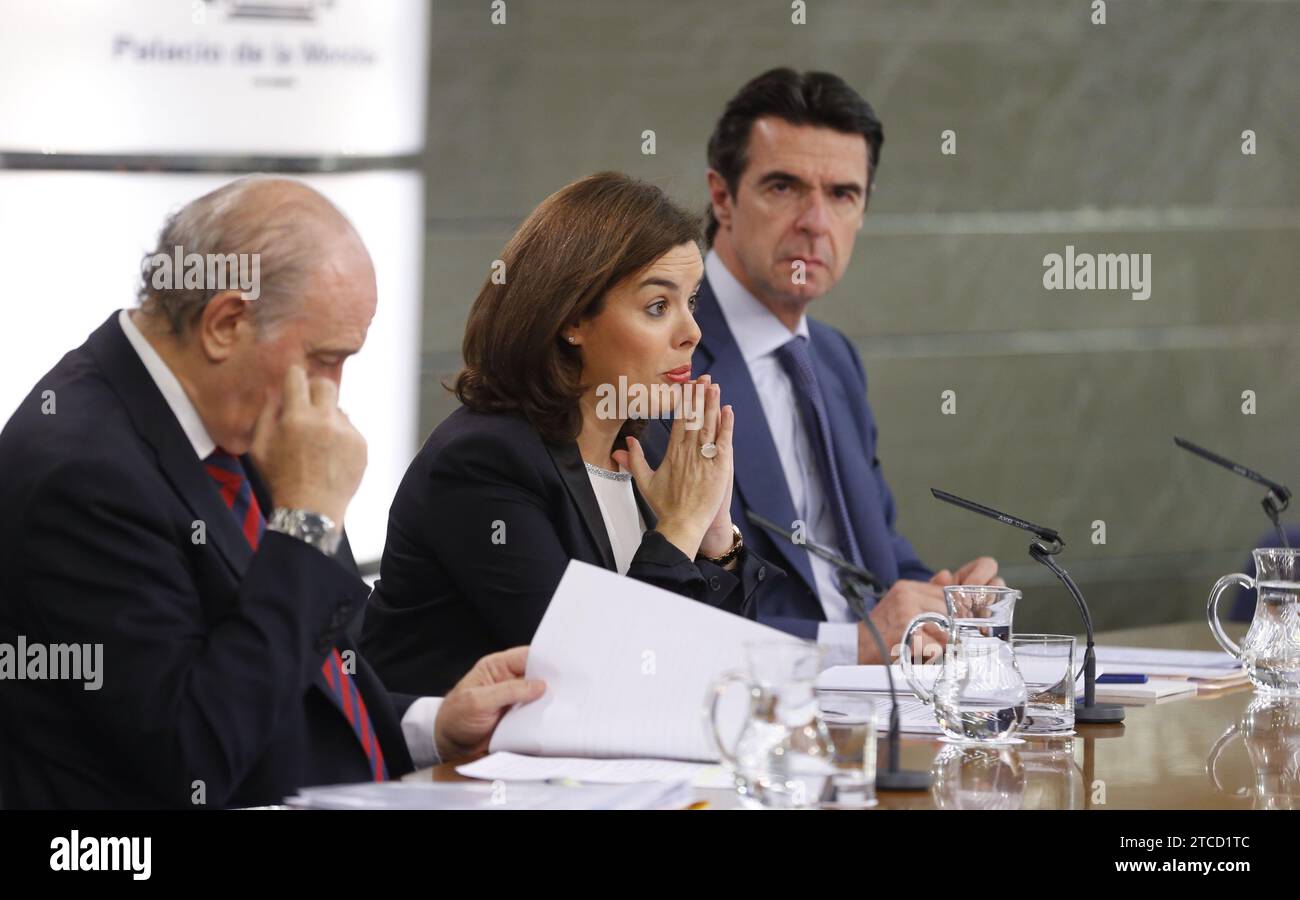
x=417, y=728
x=839, y=643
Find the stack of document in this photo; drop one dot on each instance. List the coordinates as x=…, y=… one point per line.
x=1154, y=690
x=1169, y=672
x=496, y=795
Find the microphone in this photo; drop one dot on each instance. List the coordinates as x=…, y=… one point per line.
x=1275, y=501
x=1047, y=544
x=855, y=582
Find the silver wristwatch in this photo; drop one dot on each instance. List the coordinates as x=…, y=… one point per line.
x=312, y=528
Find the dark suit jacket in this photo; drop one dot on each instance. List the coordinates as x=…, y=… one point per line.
x=792, y=604
x=483, y=525
x=211, y=653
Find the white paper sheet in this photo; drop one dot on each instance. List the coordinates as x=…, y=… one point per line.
x=1155, y=689
x=627, y=667
x=1136, y=659
x=1202, y=674
x=480, y=795
x=914, y=717
x=515, y=767
x=873, y=679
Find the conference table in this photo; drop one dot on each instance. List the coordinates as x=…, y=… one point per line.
x=1227, y=750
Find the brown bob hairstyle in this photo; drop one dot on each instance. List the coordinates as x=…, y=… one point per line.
x=578, y=244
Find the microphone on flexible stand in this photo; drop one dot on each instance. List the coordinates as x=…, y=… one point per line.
x=856, y=583
x=1047, y=544
x=1275, y=501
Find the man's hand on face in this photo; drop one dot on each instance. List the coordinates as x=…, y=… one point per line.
x=907, y=599
x=307, y=450
x=470, y=712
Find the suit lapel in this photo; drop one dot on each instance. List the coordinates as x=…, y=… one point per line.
x=573, y=471
x=760, y=483
x=852, y=457
x=157, y=425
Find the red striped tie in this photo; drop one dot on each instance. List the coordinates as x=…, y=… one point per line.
x=228, y=474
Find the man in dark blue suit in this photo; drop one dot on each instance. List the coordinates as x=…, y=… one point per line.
x=791, y=166
x=174, y=493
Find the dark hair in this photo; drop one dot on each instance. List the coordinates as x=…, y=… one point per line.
x=571, y=250
x=809, y=98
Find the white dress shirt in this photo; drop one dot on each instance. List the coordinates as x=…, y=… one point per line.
x=759, y=334
x=417, y=724
x=623, y=522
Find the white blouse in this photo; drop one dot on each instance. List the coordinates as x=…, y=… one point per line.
x=623, y=522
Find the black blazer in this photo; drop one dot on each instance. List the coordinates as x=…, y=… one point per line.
x=483, y=525
x=211, y=653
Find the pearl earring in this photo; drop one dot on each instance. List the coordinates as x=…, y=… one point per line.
x=572, y=339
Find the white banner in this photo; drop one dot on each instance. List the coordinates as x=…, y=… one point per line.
x=216, y=77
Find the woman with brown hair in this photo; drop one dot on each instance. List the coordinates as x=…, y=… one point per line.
x=541, y=465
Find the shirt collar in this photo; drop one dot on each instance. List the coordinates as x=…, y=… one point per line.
x=170, y=387
x=757, y=331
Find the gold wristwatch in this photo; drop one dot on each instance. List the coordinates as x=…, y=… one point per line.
x=737, y=544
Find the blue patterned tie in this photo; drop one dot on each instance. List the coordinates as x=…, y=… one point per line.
x=794, y=358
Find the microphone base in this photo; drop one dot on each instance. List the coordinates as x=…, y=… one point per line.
x=902, y=780
x=1099, y=714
